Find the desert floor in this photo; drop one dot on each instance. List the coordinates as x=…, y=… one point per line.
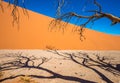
x=59, y=66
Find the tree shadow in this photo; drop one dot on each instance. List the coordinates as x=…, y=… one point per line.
x=118, y=67
x=85, y=60
x=20, y=61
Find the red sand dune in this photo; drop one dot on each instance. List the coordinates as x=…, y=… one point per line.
x=34, y=34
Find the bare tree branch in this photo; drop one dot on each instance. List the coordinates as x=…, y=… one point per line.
x=60, y=5
x=15, y=13
x=1, y=6
x=99, y=6
x=98, y=14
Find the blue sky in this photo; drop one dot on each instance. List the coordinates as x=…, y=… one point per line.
x=48, y=7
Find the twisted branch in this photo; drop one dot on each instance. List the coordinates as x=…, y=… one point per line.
x=98, y=14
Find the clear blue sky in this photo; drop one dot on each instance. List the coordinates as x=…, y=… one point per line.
x=48, y=7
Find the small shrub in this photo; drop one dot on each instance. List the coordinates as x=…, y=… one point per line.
x=1, y=74
x=26, y=79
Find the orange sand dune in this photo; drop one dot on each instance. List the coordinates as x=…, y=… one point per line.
x=33, y=33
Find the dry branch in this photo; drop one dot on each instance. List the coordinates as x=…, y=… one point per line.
x=15, y=13
x=97, y=14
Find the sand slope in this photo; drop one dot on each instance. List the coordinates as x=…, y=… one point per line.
x=33, y=33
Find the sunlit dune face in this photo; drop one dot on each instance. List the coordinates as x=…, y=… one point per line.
x=35, y=33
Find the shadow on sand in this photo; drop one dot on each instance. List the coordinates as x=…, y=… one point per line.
x=85, y=60
x=19, y=61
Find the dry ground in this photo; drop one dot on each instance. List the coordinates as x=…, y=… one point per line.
x=59, y=66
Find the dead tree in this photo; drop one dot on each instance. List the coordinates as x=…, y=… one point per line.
x=97, y=14
x=15, y=11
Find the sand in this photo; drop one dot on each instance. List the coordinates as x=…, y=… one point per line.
x=35, y=33
x=95, y=60
x=60, y=66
